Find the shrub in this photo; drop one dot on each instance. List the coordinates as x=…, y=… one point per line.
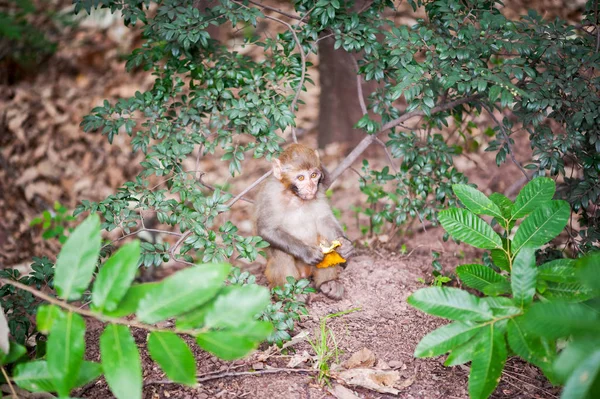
x=527, y=306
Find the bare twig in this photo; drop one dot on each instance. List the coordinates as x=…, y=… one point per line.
x=361, y=99
x=212, y=188
x=10, y=386
x=367, y=141
x=387, y=153
x=173, y=233
x=178, y=243
x=277, y=10
x=209, y=377
x=98, y=316
x=508, y=143
x=198, y=172
x=250, y=187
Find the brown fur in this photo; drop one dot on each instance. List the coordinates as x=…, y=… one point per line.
x=294, y=226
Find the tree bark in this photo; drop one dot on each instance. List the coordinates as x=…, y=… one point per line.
x=339, y=108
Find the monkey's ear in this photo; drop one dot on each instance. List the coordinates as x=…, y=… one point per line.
x=277, y=168
x=317, y=154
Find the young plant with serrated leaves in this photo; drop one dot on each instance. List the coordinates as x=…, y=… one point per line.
x=286, y=308
x=484, y=326
x=221, y=318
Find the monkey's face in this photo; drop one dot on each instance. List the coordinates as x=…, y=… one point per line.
x=305, y=183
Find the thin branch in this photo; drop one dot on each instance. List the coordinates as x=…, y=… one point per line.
x=10, y=385
x=277, y=10
x=361, y=99
x=325, y=37
x=210, y=377
x=98, y=316
x=141, y=230
x=507, y=139
x=198, y=172
x=250, y=187
x=387, y=153
x=178, y=243
x=212, y=188
x=367, y=141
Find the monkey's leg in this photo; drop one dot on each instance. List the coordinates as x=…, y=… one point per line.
x=279, y=266
x=326, y=281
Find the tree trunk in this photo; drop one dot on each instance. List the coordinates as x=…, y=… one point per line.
x=339, y=108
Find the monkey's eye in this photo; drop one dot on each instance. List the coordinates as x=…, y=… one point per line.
x=300, y=177
x=314, y=174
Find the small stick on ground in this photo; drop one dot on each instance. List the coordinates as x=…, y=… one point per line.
x=210, y=377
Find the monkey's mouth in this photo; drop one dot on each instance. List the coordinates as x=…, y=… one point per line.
x=303, y=195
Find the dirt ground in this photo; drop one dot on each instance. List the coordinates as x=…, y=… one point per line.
x=46, y=157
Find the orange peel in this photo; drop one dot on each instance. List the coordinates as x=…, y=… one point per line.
x=331, y=258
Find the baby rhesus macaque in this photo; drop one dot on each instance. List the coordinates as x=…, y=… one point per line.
x=294, y=217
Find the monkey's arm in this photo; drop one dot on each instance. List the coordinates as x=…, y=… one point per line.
x=331, y=229
x=284, y=241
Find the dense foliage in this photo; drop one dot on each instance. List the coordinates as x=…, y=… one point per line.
x=526, y=308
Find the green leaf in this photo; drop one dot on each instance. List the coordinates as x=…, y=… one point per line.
x=465, y=226
x=500, y=288
x=588, y=271
x=558, y=319
x=231, y=344
x=559, y=271
x=573, y=355
x=66, y=347
x=500, y=259
x=463, y=353
x=89, y=372
x=478, y=276
x=183, y=291
x=77, y=259
x=542, y=225
x=476, y=201
x=450, y=303
x=571, y=292
x=488, y=362
x=15, y=352
x=121, y=362
x=46, y=315
x=504, y=204
x=115, y=277
x=131, y=300
x=535, y=194
x=585, y=380
x=524, y=277
x=173, y=356
x=528, y=346
x=446, y=338
x=34, y=376
x=236, y=306
x=501, y=306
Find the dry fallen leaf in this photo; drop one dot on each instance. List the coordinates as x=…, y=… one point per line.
x=298, y=359
x=377, y=380
x=341, y=392
x=362, y=358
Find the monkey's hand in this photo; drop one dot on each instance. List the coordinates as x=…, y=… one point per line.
x=311, y=255
x=347, y=249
